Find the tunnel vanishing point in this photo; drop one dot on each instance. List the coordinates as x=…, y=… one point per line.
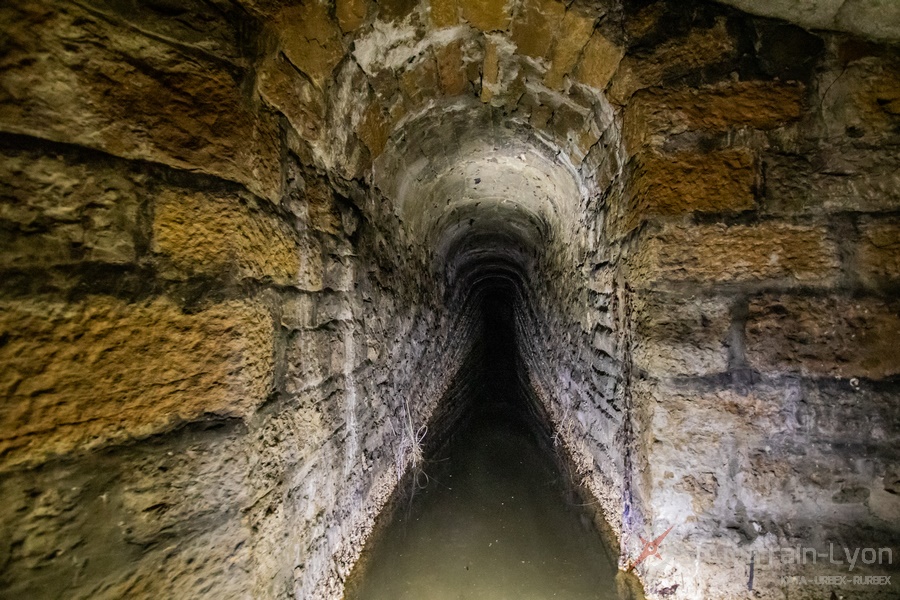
x=247, y=248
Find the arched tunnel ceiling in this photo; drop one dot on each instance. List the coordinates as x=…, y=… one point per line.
x=487, y=123
x=877, y=19
x=476, y=189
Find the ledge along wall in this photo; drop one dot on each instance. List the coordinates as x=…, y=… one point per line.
x=242, y=242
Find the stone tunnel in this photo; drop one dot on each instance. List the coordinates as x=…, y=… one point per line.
x=252, y=251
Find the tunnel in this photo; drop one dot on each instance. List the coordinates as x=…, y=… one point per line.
x=273, y=272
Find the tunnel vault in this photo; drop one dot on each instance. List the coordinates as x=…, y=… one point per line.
x=247, y=244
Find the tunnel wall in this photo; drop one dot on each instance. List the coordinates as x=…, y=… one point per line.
x=213, y=314
x=761, y=307
x=208, y=345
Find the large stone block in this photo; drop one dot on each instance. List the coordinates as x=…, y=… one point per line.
x=535, y=28
x=824, y=336
x=72, y=77
x=739, y=253
x=395, y=10
x=284, y=88
x=58, y=212
x=311, y=40
x=853, y=414
x=878, y=256
x=420, y=82
x=668, y=185
x=218, y=29
x=577, y=28
x=486, y=15
x=444, y=13
x=599, y=61
x=490, y=71
x=201, y=233
x=756, y=104
x=451, y=74
x=77, y=376
x=842, y=179
x=351, y=13
x=374, y=129
x=862, y=99
x=690, y=431
x=315, y=356
x=676, y=335
x=78, y=526
x=672, y=59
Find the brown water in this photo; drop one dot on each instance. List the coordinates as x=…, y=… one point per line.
x=493, y=522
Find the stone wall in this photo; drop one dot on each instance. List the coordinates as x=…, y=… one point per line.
x=762, y=372
x=244, y=242
x=213, y=349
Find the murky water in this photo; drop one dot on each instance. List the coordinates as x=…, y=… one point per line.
x=492, y=523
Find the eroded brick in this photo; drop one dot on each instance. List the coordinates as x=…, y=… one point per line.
x=219, y=235
x=878, y=257
x=824, y=336
x=687, y=182
x=676, y=335
x=86, y=374
x=721, y=253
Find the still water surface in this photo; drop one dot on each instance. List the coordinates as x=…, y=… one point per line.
x=493, y=522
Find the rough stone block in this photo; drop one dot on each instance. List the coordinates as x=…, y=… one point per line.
x=848, y=413
x=109, y=509
x=217, y=559
x=420, y=83
x=296, y=97
x=490, y=71
x=214, y=29
x=689, y=430
x=486, y=15
x=82, y=375
x=450, y=69
x=862, y=100
x=72, y=77
x=572, y=126
x=824, y=336
x=756, y=104
x=673, y=58
x=322, y=209
x=444, y=13
x=350, y=14
x=599, y=61
x=314, y=356
x=878, y=256
x=688, y=182
x=220, y=235
x=535, y=28
x=57, y=212
x=374, y=129
x=395, y=10
x=676, y=335
x=311, y=277
x=311, y=40
x=644, y=21
x=739, y=253
x=577, y=29
x=313, y=311
x=844, y=179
